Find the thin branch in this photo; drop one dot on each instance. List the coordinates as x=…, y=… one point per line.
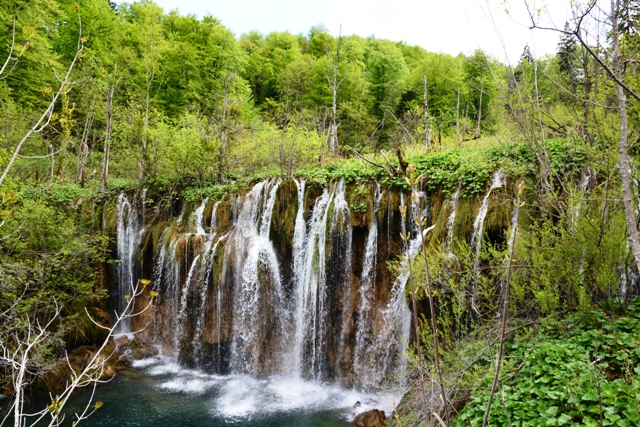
x=46, y=115
x=372, y=162
x=505, y=306
x=576, y=32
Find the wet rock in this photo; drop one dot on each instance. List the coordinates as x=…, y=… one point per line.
x=372, y=418
x=134, y=349
x=141, y=349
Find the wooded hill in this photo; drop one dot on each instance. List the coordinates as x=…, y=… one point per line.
x=153, y=93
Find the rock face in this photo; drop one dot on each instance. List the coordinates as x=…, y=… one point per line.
x=372, y=418
x=286, y=279
x=133, y=349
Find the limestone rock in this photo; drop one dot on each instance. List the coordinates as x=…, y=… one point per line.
x=372, y=418
x=141, y=349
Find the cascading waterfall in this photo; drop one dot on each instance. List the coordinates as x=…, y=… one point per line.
x=228, y=304
x=452, y=219
x=337, y=281
x=330, y=220
x=199, y=217
x=129, y=231
x=299, y=255
x=397, y=316
x=184, y=293
x=204, y=276
x=258, y=293
x=364, y=360
x=478, y=225
x=478, y=231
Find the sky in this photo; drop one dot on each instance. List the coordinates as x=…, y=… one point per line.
x=444, y=26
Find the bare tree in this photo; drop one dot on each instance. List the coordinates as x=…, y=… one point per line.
x=425, y=106
x=20, y=354
x=64, y=87
x=13, y=57
x=615, y=71
x=334, y=81
x=85, y=145
x=112, y=84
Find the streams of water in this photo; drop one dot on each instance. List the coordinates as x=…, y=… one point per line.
x=227, y=307
x=129, y=231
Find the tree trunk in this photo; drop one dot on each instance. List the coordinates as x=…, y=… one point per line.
x=427, y=135
x=458, y=120
x=334, y=84
x=627, y=194
x=107, y=135
x=480, y=109
x=224, y=142
x=85, y=149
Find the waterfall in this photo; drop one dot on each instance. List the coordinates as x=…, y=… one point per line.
x=478, y=225
x=232, y=300
x=452, y=218
x=309, y=279
x=394, y=337
x=299, y=255
x=258, y=293
x=478, y=231
x=365, y=363
x=199, y=217
x=129, y=231
x=184, y=293
x=322, y=253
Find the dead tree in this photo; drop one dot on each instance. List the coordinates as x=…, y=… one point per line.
x=425, y=105
x=44, y=120
x=615, y=72
x=334, y=81
x=112, y=84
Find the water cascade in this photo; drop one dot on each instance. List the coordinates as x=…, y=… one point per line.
x=452, y=219
x=252, y=265
x=478, y=225
x=396, y=314
x=364, y=363
x=478, y=228
x=273, y=282
x=129, y=232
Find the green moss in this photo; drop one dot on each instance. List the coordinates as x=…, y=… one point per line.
x=285, y=211
x=217, y=264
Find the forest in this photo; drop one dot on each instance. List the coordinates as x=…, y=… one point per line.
x=526, y=316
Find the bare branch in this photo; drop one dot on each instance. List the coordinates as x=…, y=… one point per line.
x=45, y=118
x=371, y=162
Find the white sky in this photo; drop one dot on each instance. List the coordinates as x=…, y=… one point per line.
x=447, y=26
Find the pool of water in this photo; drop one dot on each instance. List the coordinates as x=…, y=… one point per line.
x=158, y=392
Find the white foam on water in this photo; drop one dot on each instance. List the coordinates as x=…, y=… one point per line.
x=189, y=385
x=238, y=399
x=165, y=368
x=242, y=397
x=143, y=363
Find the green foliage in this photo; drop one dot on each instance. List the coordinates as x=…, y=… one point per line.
x=567, y=158
x=213, y=192
x=574, y=372
x=561, y=257
x=358, y=198
x=49, y=266
x=445, y=169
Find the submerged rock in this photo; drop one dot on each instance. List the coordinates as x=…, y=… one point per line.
x=372, y=418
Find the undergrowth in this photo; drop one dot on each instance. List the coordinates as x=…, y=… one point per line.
x=581, y=370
